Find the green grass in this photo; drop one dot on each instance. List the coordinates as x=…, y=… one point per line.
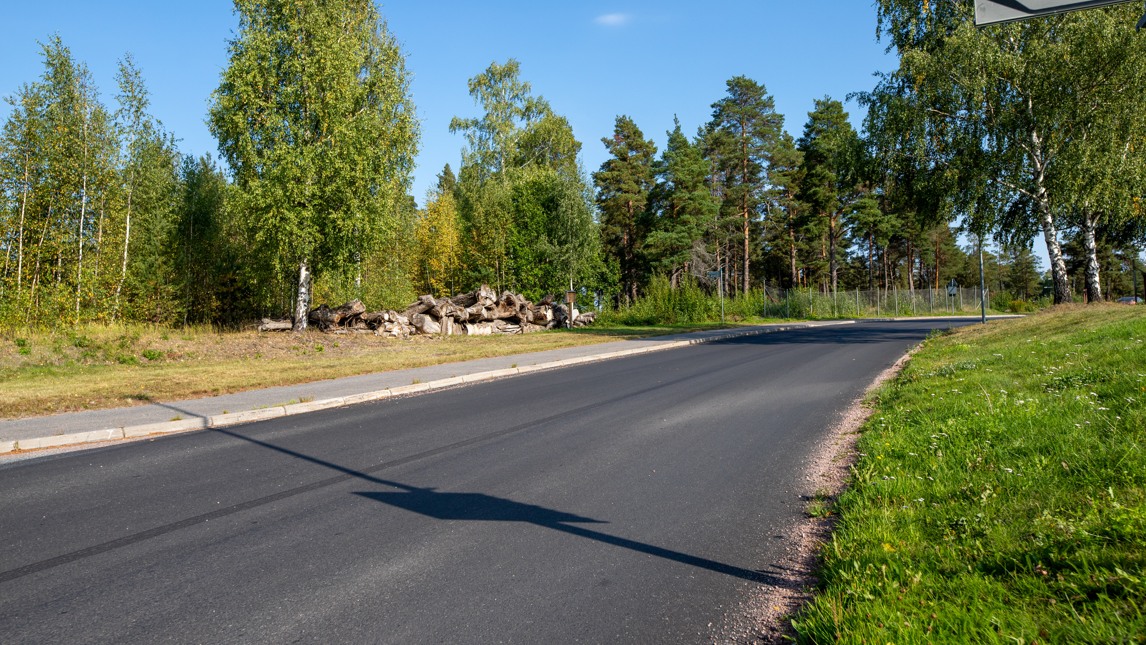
x=1000, y=496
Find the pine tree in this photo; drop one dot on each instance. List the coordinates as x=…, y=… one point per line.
x=623, y=186
x=682, y=205
x=828, y=144
x=749, y=127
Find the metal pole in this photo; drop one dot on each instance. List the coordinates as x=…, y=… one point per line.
x=1134, y=274
x=982, y=283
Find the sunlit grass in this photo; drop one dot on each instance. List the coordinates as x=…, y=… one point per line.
x=1001, y=492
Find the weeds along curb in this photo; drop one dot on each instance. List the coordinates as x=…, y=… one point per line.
x=274, y=412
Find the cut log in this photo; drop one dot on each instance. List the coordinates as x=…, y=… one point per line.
x=424, y=304
x=449, y=327
x=275, y=325
x=477, y=329
x=374, y=319
x=425, y=324
x=327, y=318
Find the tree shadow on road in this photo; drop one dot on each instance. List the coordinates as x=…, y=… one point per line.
x=487, y=508
x=470, y=506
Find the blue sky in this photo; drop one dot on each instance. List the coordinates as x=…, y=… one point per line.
x=591, y=60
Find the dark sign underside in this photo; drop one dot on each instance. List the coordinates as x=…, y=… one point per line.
x=988, y=12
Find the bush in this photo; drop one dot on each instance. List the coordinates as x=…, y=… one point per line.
x=661, y=304
x=689, y=303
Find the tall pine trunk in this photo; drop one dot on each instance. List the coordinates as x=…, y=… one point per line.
x=792, y=255
x=833, y=266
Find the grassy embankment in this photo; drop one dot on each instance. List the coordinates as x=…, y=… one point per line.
x=94, y=367
x=1000, y=496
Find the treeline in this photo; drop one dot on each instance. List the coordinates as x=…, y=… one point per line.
x=1003, y=134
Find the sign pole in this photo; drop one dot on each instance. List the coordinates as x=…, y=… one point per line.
x=982, y=283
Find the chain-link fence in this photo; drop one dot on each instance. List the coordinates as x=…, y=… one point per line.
x=808, y=303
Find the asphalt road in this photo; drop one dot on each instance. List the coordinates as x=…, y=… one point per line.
x=632, y=500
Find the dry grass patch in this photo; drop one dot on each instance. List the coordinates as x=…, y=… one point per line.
x=96, y=367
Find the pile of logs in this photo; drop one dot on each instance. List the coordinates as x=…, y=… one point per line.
x=480, y=313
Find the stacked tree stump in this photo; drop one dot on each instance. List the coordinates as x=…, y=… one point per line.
x=479, y=313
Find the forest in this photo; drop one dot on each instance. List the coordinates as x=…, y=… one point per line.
x=1008, y=136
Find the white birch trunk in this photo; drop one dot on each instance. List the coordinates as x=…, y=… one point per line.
x=1046, y=221
x=80, y=260
x=302, y=302
x=20, y=238
x=83, y=215
x=1093, y=284
x=126, y=243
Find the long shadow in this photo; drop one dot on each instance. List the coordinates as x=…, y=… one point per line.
x=160, y=404
x=487, y=508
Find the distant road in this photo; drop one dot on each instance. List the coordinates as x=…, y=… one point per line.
x=633, y=500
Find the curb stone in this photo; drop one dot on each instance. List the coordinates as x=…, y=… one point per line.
x=274, y=412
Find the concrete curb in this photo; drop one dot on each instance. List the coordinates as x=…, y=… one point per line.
x=292, y=409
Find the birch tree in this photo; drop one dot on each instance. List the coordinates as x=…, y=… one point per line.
x=1009, y=103
x=314, y=116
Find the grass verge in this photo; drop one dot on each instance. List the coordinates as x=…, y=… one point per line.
x=1000, y=495
x=96, y=367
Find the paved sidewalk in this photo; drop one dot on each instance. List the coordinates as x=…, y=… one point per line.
x=195, y=414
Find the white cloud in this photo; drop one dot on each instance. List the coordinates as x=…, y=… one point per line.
x=613, y=19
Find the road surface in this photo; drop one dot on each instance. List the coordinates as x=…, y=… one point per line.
x=632, y=500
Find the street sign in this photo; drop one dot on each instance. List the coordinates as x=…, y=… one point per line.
x=989, y=12
x=952, y=288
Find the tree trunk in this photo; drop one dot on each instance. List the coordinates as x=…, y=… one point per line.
x=911, y=270
x=20, y=243
x=746, y=238
x=1093, y=284
x=1046, y=220
x=302, y=302
x=80, y=258
x=83, y=215
x=937, y=263
x=833, y=266
x=792, y=254
x=1054, y=252
x=126, y=243
x=870, y=262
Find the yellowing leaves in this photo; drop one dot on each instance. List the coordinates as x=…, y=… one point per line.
x=439, y=245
